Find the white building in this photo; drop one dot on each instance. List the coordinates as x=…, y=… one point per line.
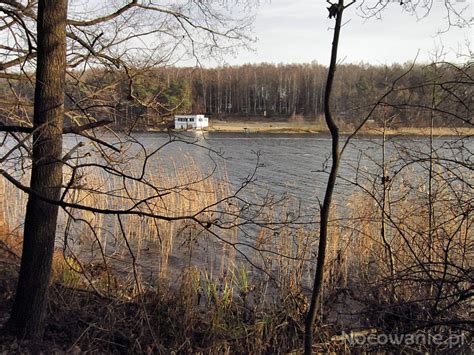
x=190, y=122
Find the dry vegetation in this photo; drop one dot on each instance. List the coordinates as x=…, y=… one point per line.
x=316, y=126
x=138, y=284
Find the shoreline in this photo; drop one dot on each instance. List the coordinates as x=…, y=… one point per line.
x=319, y=128
x=316, y=128
x=364, y=132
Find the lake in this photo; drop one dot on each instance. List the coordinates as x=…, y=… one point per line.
x=293, y=163
x=289, y=165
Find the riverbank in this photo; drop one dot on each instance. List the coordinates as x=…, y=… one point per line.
x=312, y=127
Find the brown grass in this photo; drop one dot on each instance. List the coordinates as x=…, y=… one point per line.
x=319, y=127
x=420, y=131
x=188, y=292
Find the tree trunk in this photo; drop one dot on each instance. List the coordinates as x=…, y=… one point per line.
x=27, y=317
x=326, y=207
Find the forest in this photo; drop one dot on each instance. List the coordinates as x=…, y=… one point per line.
x=259, y=92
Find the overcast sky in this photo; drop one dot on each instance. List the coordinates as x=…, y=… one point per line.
x=298, y=31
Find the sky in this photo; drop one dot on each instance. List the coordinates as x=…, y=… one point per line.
x=299, y=31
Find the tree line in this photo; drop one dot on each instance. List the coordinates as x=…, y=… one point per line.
x=150, y=97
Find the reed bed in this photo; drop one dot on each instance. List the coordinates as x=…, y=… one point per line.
x=204, y=282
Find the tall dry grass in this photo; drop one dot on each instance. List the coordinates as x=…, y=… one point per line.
x=159, y=248
x=415, y=277
x=231, y=292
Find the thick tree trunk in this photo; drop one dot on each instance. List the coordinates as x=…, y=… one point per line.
x=27, y=317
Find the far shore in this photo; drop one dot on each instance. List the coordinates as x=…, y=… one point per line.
x=314, y=128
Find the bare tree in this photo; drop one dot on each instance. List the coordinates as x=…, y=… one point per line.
x=335, y=10
x=457, y=12
x=188, y=29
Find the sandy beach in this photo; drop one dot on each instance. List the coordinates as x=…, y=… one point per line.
x=317, y=127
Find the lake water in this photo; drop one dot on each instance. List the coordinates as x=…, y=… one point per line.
x=287, y=163
x=293, y=165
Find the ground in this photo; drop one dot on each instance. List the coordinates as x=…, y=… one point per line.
x=318, y=126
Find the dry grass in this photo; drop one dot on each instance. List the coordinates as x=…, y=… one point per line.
x=301, y=126
x=151, y=285
x=421, y=131
x=267, y=126
x=428, y=286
